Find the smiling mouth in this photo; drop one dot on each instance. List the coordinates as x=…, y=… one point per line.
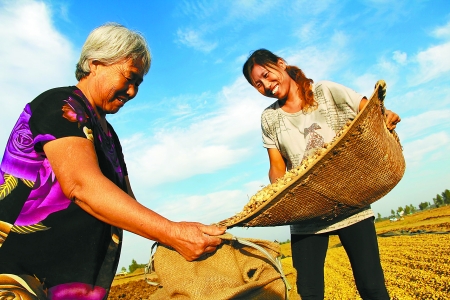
x=275, y=89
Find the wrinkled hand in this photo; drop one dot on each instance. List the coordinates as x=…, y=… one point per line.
x=391, y=119
x=192, y=239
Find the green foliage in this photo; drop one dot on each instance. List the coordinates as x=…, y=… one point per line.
x=442, y=199
x=134, y=265
x=446, y=196
x=407, y=210
x=438, y=201
x=423, y=205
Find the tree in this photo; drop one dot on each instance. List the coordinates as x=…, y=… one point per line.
x=134, y=265
x=124, y=270
x=378, y=217
x=392, y=212
x=438, y=201
x=423, y=205
x=407, y=210
x=446, y=196
x=412, y=208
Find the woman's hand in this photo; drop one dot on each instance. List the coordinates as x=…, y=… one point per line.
x=192, y=239
x=391, y=119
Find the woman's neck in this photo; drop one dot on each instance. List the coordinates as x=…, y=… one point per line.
x=293, y=103
x=82, y=86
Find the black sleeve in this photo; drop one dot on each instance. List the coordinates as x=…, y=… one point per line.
x=58, y=113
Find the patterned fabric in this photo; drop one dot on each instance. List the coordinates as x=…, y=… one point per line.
x=296, y=135
x=43, y=234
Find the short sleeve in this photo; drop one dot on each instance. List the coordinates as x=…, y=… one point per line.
x=268, y=129
x=59, y=113
x=343, y=95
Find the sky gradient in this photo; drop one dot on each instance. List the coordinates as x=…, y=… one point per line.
x=191, y=138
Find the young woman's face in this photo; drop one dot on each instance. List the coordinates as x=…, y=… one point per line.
x=271, y=82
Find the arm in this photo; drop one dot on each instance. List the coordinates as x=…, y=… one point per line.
x=277, y=164
x=101, y=198
x=130, y=191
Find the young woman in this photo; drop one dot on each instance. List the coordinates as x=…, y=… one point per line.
x=304, y=116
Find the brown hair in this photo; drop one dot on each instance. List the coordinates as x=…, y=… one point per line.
x=266, y=58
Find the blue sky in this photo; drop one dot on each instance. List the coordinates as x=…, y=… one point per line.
x=191, y=137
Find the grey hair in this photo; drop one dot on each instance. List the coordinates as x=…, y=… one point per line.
x=112, y=43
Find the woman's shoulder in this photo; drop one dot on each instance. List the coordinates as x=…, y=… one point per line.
x=327, y=84
x=270, y=110
x=56, y=94
x=336, y=91
x=272, y=107
x=64, y=90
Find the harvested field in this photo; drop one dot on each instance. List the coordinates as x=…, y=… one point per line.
x=415, y=254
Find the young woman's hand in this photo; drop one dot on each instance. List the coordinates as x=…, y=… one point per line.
x=391, y=119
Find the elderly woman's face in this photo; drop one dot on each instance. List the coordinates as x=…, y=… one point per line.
x=115, y=85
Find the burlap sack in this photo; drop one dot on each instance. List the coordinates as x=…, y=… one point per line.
x=234, y=271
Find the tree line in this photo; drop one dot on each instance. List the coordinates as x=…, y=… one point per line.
x=440, y=200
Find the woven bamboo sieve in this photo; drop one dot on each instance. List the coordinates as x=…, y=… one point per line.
x=362, y=164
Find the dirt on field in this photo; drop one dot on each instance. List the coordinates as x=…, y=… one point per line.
x=134, y=287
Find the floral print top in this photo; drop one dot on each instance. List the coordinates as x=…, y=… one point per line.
x=47, y=242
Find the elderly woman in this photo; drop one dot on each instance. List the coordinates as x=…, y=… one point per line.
x=64, y=190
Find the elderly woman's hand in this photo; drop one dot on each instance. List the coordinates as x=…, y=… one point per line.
x=192, y=239
x=391, y=119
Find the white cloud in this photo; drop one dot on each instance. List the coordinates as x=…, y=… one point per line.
x=194, y=39
x=433, y=63
x=312, y=60
x=313, y=8
x=206, y=145
x=365, y=84
x=442, y=32
x=250, y=9
x=418, y=126
x=399, y=57
x=307, y=31
x=34, y=57
x=197, y=9
x=209, y=208
x=433, y=146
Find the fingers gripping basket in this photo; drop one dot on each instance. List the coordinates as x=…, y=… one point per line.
x=362, y=164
